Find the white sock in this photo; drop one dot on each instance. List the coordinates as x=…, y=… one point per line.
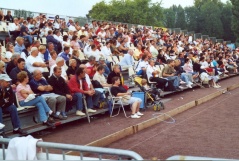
x=16, y=129
x=58, y=113
x=50, y=112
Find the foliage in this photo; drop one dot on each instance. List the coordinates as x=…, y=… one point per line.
x=235, y=18
x=142, y=12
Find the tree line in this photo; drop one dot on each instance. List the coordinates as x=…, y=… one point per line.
x=209, y=17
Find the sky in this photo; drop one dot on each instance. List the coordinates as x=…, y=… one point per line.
x=73, y=8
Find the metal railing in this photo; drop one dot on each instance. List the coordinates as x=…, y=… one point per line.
x=120, y=154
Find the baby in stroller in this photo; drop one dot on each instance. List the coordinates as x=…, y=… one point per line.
x=154, y=93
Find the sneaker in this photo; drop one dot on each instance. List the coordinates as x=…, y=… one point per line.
x=20, y=132
x=60, y=117
x=135, y=116
x=139, y=113
x=190, y=83
x=64, y=114
x=80, y=113
x=216, y=87
x=189, y=86
x=51, y=119
x=182, y=82
x=91, y=110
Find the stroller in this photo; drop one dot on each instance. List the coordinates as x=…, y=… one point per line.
x=150, y=95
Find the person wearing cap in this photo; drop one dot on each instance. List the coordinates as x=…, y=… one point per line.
x=34, y=61
x=7, y=105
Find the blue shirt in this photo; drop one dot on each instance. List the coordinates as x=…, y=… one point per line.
x=18, y=48
x=127, y=60
x=47, y=56
x=35, y=84
x=65, y=56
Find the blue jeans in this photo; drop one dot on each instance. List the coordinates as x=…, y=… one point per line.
x=41, y=105
x=93, y=100
x=13, y=114
x=185, y=77
x=77, y=97
x=175, y=80
x=29, y=38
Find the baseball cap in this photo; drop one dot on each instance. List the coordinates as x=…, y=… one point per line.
x=5, y=77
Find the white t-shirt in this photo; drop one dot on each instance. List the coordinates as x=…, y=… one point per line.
x=96, y=54
x=87, y=50
x=8, y=55
x=106, y=51
x=101, y=34
x=204, y=65
x=150, y=70
x=142, y=64
x=31, y=60
x=58, y=38
x=153, y=51
x=72, y=28
x=13, y=27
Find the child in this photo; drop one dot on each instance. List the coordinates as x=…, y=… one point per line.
x=155, y=93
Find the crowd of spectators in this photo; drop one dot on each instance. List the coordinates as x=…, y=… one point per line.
x=57, y=76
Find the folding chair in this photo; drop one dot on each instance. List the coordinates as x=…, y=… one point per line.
x=117, y=101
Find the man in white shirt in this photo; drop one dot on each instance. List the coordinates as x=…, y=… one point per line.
x=141, y=67
x=105, y=50
x=34, y=61
x=57, y=36
x=95, y=52
x=14, y=28
x=152, y=49
x=87, y=49
x=102, y=33
x=72, y=26
x=60, y=63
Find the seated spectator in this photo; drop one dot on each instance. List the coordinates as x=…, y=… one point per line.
x=9, y=50
x=7, y=105
x=95, y=52
x=36, y=43
x=26, y=52
x=230, y=64
x=105, y=50
x=90, y=66
x=19, y=68
x=137, y=52
x=122, y=48
x=128, y=60
x=51, y=39
x=14, y=29
x=65, y=55
x=48, y=28
x=61, y=88
x=96, y=42
x=78, y=86
x=99, y=76
x=66, y=42
x=153, y=75
x=82, y=42
x=8, y=17
x=106, y=66
x=41, y=54
x=142, y=65
x=35, y=62
x=23, y=93
x=56, y=102
x=52, y=61
x=116, y=73
x=188, y=68
x=24, y=32
x=75, y=55
x=2, y=67
x=74, y=43
x=71, y=71
x=19, y=45
x=13, y=63
x=60, y=63
x=170, y=74
x=47, y=54
x=119, y=91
